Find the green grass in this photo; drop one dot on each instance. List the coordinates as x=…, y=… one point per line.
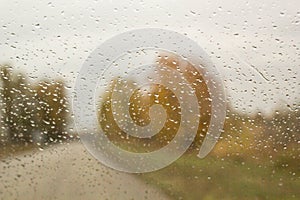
x=227, y=178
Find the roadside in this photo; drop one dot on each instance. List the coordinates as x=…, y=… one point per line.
x=68, y=172
x=248, y=176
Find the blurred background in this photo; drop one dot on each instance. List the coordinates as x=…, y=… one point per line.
x=255, y=47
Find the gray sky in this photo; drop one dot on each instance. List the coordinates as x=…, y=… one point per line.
x=254, y=45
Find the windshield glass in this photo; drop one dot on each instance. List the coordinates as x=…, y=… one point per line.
x=149, y=99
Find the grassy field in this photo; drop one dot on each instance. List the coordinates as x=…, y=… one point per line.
x=227, y=178
x=257, y=158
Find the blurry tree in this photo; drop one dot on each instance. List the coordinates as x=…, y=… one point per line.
x=23, y=107
x=32, y=112
x=194, y=76
x=6, y=99
x=144, y=97
x=246, y=136
x=17, y=97
x=52, y=110
x=140, y=102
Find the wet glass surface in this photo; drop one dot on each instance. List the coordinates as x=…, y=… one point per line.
x=81, y=106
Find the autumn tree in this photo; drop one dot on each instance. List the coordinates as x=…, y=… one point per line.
x=194, y=77
x=146, y=96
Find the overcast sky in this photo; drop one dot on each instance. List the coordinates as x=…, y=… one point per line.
x=254, y=45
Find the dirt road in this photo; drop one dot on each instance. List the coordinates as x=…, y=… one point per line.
x=68, y=172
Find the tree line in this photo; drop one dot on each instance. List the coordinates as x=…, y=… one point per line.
x=244, y=134
x=31, y=112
